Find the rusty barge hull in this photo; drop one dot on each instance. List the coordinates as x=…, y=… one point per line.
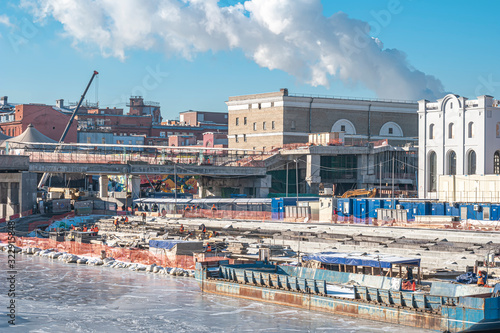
x=341, y=306
x=289, y=286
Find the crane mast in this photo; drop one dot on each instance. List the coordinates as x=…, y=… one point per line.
x=66, y=130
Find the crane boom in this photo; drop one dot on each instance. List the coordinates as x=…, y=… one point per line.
x=66, y=130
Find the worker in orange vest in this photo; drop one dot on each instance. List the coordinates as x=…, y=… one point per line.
x=85, y=228
x=214, y=208
x=182, y=228
x=209, y=248
x=481, y=279
x=72, y=227
x=116, y=224
x=96, y=229
x=187, y=208
x=126, y=219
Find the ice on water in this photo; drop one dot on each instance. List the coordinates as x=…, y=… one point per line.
x=53, y=296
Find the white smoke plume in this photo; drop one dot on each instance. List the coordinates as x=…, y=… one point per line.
x=290, y=35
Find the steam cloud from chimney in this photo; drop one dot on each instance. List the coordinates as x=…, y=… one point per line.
x=289, y=35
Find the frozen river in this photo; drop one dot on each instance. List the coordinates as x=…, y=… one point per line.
x=57, y=297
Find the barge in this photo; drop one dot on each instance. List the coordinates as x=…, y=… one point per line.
x=447, y=307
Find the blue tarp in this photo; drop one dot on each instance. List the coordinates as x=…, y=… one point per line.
x=467, y=278
x=165, y=244
x=361, y=259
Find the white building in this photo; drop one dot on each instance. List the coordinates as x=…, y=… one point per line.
x=458, y=137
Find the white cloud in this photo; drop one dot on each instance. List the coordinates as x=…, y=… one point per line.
x=4, y=19
x=289, y=35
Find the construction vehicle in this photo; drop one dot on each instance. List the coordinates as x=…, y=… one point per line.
x=360, y=192
x=66, y=130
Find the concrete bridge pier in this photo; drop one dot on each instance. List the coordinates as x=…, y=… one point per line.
x=313, y=177
x=103, y=186
x=135, y=186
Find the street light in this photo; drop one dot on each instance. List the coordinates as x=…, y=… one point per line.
x=297, y=185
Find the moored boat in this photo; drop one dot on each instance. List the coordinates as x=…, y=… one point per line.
x=445, y=307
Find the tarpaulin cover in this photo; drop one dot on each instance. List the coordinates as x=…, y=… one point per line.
x=165, y=244
x=361, y=259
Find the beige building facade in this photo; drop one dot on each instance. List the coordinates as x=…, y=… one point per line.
x=270, y=120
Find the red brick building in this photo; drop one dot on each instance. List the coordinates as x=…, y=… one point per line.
x=49, y=120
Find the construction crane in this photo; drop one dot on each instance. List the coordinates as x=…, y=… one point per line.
x=66, y=130
x=359, y=192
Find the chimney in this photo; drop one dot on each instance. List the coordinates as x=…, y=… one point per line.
x=284, y=91
x=60, y=103
x=3, y=99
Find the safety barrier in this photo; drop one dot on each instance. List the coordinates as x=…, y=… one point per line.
x=122, y=254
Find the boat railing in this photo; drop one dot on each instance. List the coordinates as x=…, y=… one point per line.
x=404, y=298
x=273, y=280
x=407, y=299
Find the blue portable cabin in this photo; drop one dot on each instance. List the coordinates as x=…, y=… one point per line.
x=409, y=206
x=373, y=205
x=437, y=208
x=278, y=205
x=360, y=210
x=390, y=203
x=345, y=207
x=422, y=208
x=495, y=212
x=452, y=209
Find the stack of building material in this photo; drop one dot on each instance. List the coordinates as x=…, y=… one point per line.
x=238, y=248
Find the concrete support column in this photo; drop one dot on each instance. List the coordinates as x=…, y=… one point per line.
x=135, y=187
x=202, y=187
x=10, y=207
x=103, y=186
x=313, y=177
x=262, y=186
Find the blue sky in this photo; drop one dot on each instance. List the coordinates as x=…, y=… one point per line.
x=44, y=59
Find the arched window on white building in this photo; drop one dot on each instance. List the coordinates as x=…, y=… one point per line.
x=471, y=162
x=471, y=130
x=496, y=163
x=344, y=125
x=452, y=162
x=431, y=131
x=451, y=135
x=432, y=171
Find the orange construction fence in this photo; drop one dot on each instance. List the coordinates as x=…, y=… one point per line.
x=122, y=254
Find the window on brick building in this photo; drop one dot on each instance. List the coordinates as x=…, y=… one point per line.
x=259, y=106
x=244, y=120
x=391, y=131
x=244, y=138
x=272, y=125
x=254, y=126
x=342, y=128
x=264, y=125
x=293, y=125
x=237, y=121
x=236, y=138
x=162, y=134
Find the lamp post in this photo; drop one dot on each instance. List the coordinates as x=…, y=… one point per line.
x=297, y=185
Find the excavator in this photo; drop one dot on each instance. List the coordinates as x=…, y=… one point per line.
x=360, y=192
